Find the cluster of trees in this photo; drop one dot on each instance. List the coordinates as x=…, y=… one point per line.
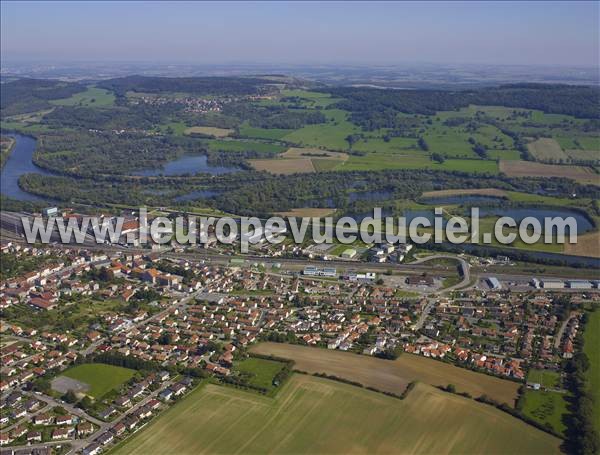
x=582, y=436
x=275, y=116
x=106, y=153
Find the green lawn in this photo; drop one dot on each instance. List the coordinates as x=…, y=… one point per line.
x=592, y=349
x=100, y=377
x=319, y=416
x=260, y=372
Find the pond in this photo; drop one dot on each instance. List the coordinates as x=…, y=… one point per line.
x=188, y=164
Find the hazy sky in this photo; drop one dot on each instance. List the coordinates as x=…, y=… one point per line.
x=310, y=32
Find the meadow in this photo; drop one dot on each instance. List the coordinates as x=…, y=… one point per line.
x=99, y=377
x=391, y=376
x=92, y=97
x=318, y=416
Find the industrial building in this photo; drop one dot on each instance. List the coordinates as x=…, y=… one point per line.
x=579, y=284
x=553, y=284
x=316, y=271
x=494, y=283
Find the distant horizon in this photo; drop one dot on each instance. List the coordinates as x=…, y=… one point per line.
x=307, y=63
x=562, y=34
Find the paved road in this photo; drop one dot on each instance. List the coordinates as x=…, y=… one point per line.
x=561, y=331
x=423, y=316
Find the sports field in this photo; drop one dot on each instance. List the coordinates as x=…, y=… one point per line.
x=319, y=416
x=391, y=376
x=99, y=377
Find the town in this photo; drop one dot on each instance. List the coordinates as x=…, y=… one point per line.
x=175, y=321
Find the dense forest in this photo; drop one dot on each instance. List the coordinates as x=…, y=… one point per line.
x=193, y=85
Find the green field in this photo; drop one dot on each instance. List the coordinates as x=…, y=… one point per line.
x=92, y=97
x=242, y=146
x=262, y=133
x=100, y=377
x=592, y=350
x=548, y=408
x=318, y=416
x=331, y=135
x=260, y=372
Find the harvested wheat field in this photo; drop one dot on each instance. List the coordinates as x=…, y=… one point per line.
x=284, y=166
x=391, y=375
x=581, y=174
x=307, y=212
x=467, y=192
x=587, y=245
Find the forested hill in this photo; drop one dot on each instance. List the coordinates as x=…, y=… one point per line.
x=29, y=95
x=191, y=85
x=370, y=106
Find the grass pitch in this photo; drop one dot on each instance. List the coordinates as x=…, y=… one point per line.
x=100, y=377
x=318, y=416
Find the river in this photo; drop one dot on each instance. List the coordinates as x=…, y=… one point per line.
x=18, y=163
